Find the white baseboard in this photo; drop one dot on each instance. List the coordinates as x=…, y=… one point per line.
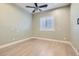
x=12, y=43
x=66, y=42
x=75, y=49
x=19, y=41
x=52, y=40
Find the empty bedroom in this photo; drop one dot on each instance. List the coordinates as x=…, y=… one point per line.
x=39, y=29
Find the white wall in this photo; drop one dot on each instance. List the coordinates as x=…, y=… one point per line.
x=62, y=24
x=74, y=25
x=15, y=23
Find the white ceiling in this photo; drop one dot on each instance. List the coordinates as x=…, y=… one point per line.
x=50, y=6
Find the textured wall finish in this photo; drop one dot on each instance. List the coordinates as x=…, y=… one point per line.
x=62, y=24
x=15, y=24
x=74, y=25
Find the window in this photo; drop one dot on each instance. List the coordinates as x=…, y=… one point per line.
x=47, y=24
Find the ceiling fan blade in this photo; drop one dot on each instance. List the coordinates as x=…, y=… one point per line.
x=36, y=4
x=40, y=10
x=43, y=6
x=33, y=11
x=30, y=6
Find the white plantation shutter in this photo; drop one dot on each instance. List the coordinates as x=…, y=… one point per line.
x=47, y=24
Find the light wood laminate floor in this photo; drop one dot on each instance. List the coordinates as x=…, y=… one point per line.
x=36, y=47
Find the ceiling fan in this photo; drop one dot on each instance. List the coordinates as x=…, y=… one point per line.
x=36, y=7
